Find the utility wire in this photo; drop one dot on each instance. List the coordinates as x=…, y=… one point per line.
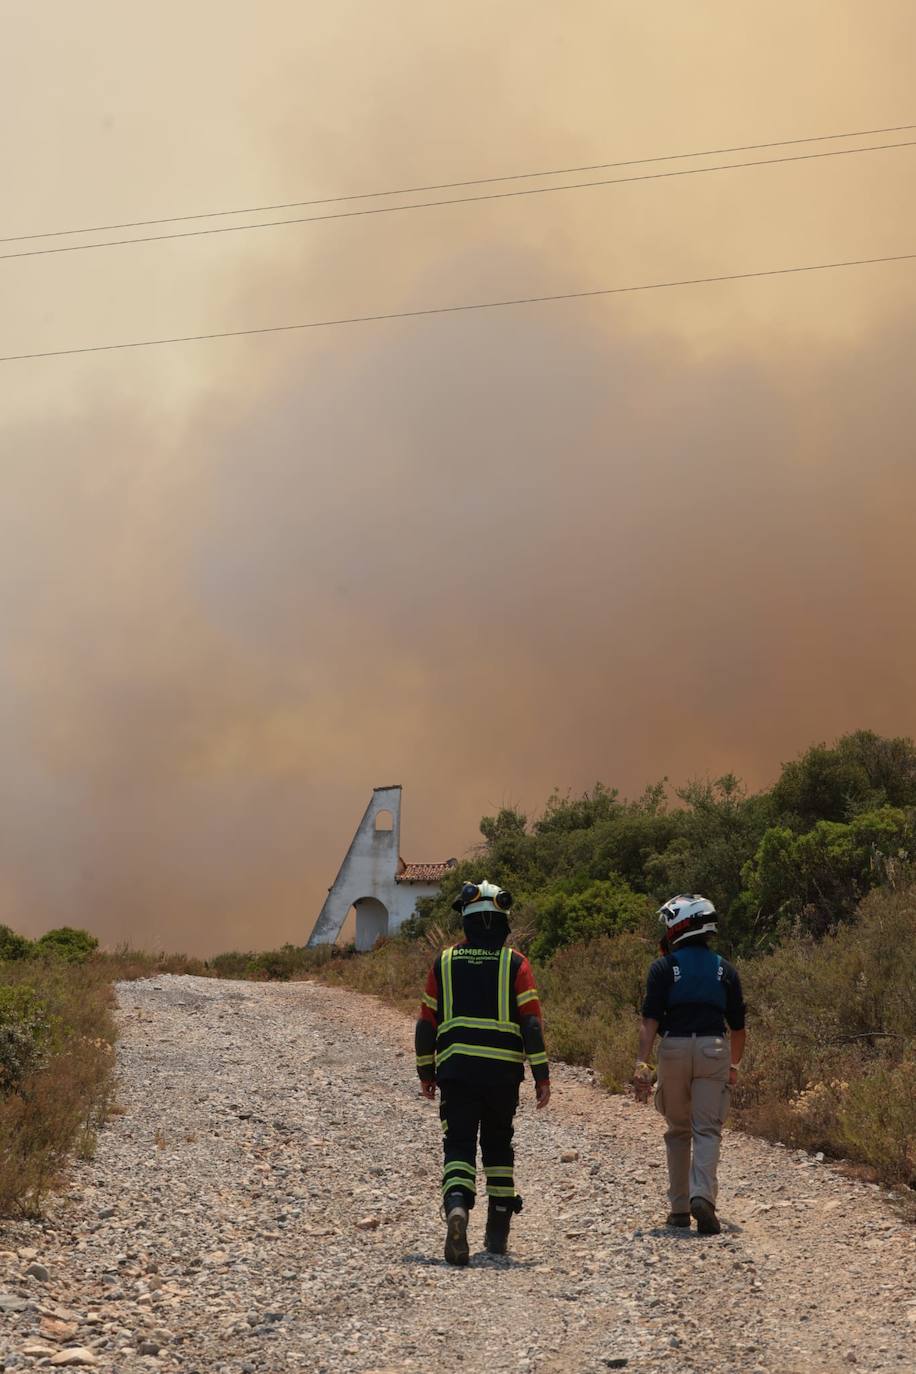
x=456, y=185
x=457, y=309
x=456, y=200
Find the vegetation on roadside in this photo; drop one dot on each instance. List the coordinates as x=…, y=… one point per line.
x=56, y=1039
x=815, y=883
x=831, y=1059
x=57, y=1036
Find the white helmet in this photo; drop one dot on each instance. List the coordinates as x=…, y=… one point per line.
x=686, y=915
x=478, y=897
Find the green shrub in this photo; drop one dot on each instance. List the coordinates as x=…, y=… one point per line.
x=861, y=772
x=13, y=946
x=818, y=877
x=24, y=1032
x=568, y=915
x=589, y=992
x=68, y=943
x=231, y=965
x=278, y=965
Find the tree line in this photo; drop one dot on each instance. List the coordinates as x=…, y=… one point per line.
x=796, y=858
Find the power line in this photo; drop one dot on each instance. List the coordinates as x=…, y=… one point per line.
x=456, y=200
x=456, y=185
x=457, y=309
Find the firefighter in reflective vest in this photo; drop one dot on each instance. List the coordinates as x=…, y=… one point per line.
x=480, y=1019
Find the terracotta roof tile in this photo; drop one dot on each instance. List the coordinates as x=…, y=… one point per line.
x=425, y=873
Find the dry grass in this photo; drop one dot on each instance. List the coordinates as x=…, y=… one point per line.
x=56, y=1110
x=125, y=964
x=395, y=971
x=831, y=1061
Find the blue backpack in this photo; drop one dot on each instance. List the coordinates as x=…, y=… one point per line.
x=698, y=978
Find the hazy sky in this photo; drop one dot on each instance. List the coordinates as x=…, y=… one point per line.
x=242, y=582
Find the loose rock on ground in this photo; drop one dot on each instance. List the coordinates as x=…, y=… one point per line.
x=267, y=1201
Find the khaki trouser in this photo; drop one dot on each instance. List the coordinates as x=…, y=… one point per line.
x=693, y=1096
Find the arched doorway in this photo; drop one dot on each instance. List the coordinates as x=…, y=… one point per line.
x=371, y=921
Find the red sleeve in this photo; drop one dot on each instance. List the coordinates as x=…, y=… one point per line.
x=526, y=994
x=430, y=998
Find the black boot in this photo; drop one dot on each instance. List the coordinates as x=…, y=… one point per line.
x=457, y=1250
x=499, y=1219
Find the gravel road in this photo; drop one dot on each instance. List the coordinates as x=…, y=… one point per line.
x=267, y=1201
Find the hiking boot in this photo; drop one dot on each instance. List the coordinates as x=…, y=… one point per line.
x=456, y=1232
x=677, y=1219
x=496, y=1236
x=705, y=1213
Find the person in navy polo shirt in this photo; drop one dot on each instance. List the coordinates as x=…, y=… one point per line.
x=692, y=994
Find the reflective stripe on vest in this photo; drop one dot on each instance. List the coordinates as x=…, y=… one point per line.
x=482, y=1023
x=446, y=985
x=480, y=1052
x=505, y=967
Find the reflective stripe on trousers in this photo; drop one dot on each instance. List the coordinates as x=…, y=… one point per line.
x=464, y=1110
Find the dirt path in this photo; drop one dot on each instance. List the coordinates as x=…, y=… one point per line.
x=220, y=1227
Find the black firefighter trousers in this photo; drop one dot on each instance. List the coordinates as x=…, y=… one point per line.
x=464, y=1109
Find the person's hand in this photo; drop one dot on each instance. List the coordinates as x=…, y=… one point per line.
x=428, y=1089
x=642, y=1081
x=542, y=1092
x=732, y=1075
